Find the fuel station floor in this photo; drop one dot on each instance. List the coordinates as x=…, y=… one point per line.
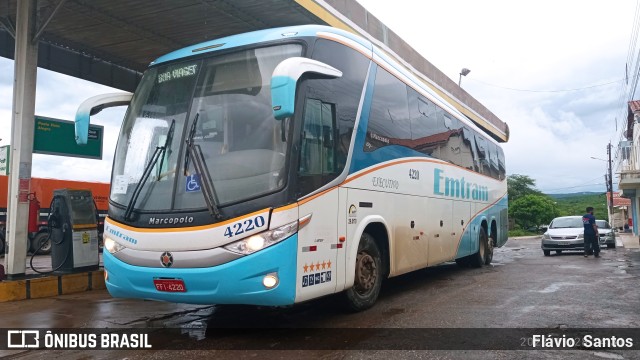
x=34, y=285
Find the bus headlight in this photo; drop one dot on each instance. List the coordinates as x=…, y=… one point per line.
x=265, y=239
x=112, y=246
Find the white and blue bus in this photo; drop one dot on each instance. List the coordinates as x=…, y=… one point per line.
x=282, y=165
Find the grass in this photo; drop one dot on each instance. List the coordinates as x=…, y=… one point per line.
x=520, y=232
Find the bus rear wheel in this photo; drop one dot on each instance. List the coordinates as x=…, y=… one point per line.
x=485, y=251
x=368, y=276
x=488, y=257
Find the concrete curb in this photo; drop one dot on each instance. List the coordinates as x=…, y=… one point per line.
x=629, y=241
x=49, y=286
x=525, y=237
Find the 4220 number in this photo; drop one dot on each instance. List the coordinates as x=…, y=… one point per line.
x=244, y=226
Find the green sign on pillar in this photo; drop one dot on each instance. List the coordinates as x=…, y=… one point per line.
x=57, y=137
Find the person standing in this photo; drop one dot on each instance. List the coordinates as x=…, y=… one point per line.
x=590, y=233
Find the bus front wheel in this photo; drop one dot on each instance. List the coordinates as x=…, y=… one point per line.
x=368, y=276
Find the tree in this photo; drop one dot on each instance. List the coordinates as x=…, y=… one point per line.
x=533, y=210
x=519, y=186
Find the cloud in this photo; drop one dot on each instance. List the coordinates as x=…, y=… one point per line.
x=58, y=96
x=541, y=45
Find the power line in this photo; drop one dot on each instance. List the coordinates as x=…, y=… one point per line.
x=588, y=183
x=546, y=91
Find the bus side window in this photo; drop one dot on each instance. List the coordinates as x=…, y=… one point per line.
x=501, y=164
x=493, y=161
x=389, y=122
x=483, y=155
x=424, y=126
x=458, y=151
x=317, y=152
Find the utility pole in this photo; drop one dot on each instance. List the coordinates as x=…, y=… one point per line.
x=610, y=186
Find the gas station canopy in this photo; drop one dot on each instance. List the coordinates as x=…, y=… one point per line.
x=111, y=42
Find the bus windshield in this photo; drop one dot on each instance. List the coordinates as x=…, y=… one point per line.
x=241, y=142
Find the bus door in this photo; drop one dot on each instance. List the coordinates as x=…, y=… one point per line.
x=317, y=261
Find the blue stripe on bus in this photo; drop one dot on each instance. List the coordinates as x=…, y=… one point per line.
x=236, y=282
x=469, y=243
x=255, y=37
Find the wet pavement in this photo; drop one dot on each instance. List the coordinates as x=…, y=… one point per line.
x=521, y=289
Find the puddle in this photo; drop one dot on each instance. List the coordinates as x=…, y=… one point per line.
x=626, y=276
x=196, y=330
x=393, y=311
x=570, y=267
x=556, y=286
x=527, y=309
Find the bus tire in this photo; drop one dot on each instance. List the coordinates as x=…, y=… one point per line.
x=368, y=276
x=488, y=257
x=478, y=259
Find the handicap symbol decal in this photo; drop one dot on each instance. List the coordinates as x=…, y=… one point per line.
x=193, y=183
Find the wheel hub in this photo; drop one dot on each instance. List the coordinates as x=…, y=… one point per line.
x=366, y=273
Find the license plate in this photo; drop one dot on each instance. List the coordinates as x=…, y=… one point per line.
x=170, y=285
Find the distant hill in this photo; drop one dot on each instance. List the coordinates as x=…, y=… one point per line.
x=576, y=203
x=562, y=196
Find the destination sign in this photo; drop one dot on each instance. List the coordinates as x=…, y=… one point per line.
x=177, y=73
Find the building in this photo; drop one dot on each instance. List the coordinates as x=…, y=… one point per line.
x=629, y=162
x=621, y=211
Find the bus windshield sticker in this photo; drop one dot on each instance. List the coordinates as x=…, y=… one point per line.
x=193, y=183
x=120, y=184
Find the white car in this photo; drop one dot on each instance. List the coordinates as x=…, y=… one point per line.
x=607, y=235
x=565, y=233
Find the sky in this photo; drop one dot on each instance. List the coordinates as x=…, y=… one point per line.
x=523, y=56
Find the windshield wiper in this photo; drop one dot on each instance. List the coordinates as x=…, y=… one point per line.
x=166, y=147
x=158, y=153
x=200, y=165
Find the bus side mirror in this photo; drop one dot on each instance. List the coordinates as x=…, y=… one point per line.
x=285, y=78
x=94, y=105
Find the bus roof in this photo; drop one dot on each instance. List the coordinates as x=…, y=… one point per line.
x=300, y=31
x=253, y=37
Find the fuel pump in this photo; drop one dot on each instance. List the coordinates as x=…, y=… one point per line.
x=74, y=231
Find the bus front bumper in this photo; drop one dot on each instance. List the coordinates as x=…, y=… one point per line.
x=237, y=282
